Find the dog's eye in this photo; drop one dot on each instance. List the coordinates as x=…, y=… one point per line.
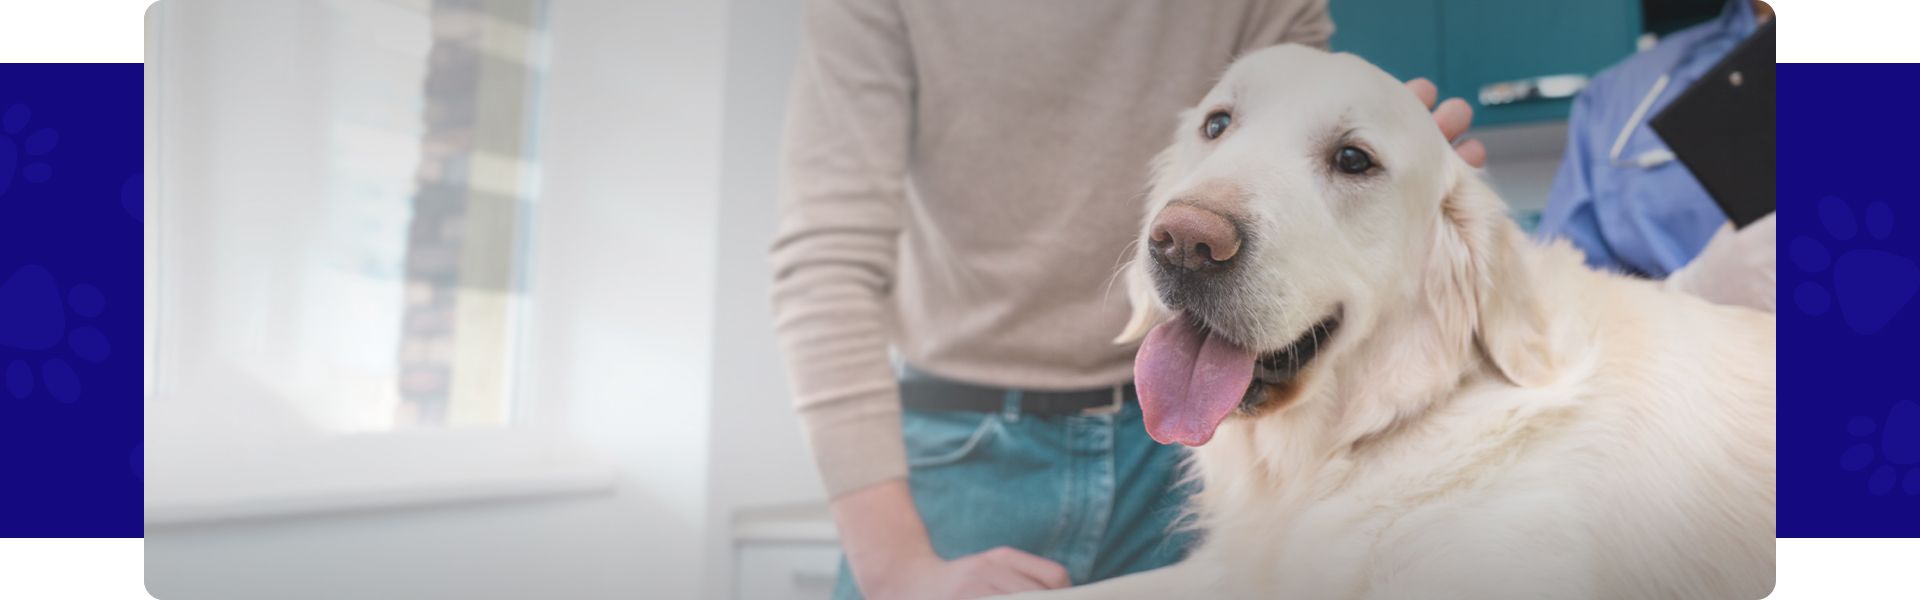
x=1216, y=124
x=1352, y=161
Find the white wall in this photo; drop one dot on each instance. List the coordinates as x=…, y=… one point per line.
x=758, y=457
x=631, y=177
x=1522, y=159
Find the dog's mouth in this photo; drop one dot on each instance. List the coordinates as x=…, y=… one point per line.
x=1191, y=378
x=1274, y=372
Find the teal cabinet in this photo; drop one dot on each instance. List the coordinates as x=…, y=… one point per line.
x=1401, y=36
x=1466, y=45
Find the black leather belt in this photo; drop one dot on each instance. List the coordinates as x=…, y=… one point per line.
x=922, y=391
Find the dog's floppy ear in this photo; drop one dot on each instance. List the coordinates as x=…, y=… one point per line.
x=1146, y=305
x=1479, y=286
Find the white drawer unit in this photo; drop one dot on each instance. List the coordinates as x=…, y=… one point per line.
x=785, y=552
x=771, y=570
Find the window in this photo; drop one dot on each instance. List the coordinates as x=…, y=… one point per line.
x=345, y=193
x=423, y=256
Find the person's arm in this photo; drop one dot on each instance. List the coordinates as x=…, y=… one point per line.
x=1736, y=267
x=849, y=118
x=843, y=182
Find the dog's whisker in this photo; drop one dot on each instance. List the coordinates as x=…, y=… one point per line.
x=1123, y=263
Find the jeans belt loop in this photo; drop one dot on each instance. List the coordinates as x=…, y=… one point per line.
x=1010, y=408
x=1119, y=400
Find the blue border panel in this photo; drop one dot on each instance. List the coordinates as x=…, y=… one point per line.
x=70, y=300
x=1849, y=361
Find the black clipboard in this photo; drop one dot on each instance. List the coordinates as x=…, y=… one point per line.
x=1722, y=129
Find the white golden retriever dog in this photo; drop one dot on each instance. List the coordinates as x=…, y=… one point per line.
x=1393, y=394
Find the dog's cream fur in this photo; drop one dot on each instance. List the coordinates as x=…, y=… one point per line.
x=1491, y=420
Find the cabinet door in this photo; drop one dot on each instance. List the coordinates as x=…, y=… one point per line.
x=785, y=571
x=1490, y=41
x=1402, y=36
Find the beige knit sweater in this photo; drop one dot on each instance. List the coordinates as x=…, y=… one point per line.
x=961, y=181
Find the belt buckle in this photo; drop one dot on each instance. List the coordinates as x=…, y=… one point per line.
x=1119, y=400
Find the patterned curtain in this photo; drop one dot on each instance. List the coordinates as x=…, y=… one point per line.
x=468, y=218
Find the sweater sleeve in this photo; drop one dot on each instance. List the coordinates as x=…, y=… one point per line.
x=843, y=182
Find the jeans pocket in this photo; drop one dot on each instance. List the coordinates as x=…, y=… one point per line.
x=937, y=438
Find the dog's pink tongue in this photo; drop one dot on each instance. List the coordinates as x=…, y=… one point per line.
x=1189, y=381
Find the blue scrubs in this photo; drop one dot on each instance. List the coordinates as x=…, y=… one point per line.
x=1645, y=220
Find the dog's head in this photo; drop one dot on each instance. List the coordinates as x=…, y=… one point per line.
x=1308, y=199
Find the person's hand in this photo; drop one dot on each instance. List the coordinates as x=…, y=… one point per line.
x=1736, y=267
x=998, y=571
x=1453, y=116
x=887, y=546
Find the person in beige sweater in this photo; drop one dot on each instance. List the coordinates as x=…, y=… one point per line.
x=961, y=180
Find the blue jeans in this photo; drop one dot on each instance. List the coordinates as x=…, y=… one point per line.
x=1091, y=492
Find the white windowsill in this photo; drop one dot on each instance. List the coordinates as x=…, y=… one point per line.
x=197, y=484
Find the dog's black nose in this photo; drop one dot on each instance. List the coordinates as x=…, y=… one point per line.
x=1192, y=238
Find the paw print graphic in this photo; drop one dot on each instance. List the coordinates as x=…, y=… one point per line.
x=34, y=321
x=1899, y=448
x=21, y=151
x=1869, y=286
